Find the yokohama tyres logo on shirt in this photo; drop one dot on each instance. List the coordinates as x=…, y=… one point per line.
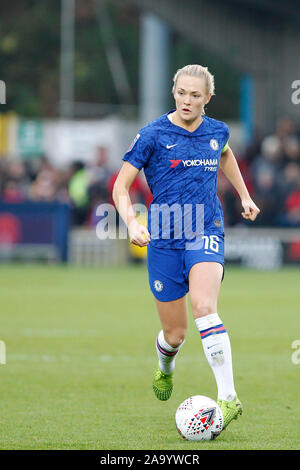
x=197, y=162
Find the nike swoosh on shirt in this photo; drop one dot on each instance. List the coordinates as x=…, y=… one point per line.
x=170, y=146
x=209, y=253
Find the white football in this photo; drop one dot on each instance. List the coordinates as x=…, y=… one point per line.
x=199, y=418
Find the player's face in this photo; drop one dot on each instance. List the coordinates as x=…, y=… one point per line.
x=190, y=96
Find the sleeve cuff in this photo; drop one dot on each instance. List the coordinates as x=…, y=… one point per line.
x=225, y=147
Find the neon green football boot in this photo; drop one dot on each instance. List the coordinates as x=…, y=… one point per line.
x=230, y=410
x=162, y=385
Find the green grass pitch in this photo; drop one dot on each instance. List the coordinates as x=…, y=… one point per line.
x=81, y=356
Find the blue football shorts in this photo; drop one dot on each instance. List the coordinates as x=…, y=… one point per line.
x=168, y=269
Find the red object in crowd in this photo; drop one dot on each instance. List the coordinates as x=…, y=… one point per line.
x=10, y=229
x=293, y=201
x=138, y=190
x=293, y=252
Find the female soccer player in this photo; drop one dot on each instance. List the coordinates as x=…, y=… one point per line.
x=180, y=153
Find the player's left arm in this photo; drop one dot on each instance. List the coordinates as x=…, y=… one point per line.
x=230, y=168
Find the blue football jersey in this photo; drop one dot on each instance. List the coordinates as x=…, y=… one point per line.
x=181, y=169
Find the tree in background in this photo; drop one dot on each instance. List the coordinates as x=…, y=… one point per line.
x=30, y=58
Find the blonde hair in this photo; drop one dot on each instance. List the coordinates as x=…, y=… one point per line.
x=195, y=70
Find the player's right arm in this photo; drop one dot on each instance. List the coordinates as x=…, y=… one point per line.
x=138, y=234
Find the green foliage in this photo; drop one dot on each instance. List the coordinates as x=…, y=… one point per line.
x=93, y=78
x=225, y=105
x=29, y=45
x=30, y=58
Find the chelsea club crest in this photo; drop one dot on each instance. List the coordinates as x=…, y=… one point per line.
x=158, y=286
x=214, y=144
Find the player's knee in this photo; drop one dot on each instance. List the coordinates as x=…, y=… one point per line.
x=202, y=308
x=175, y=337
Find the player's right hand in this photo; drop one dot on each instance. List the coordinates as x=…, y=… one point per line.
x=251, y=210
x=138, y=234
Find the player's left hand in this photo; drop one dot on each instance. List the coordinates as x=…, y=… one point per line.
x=251, y=210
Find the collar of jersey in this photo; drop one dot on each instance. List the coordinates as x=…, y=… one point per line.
x=181, y=130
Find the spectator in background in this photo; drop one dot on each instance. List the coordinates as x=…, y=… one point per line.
x=253, y=147
x=292, y=208
x=62, y=186
x=266, y=194
x=270, y=155
x=42, y=164
x=271, y=169
x=284, y=128
x=11, y=192
x=15, y=181
x=44, y=176
x=17, y=172
x=99, y=175
x=291, y=149
x=289, y=181
x=78, y=190
x=43, y=188
x=229, y=201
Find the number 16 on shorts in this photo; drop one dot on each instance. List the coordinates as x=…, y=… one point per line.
x=211, y=243
x=208, y=243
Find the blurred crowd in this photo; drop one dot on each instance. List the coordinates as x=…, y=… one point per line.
x=83, y=186
x=271, y=170
x=270, y=167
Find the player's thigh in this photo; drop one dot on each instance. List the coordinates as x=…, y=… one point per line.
x=204, y=286
x=174, y=319
x=166, y=273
